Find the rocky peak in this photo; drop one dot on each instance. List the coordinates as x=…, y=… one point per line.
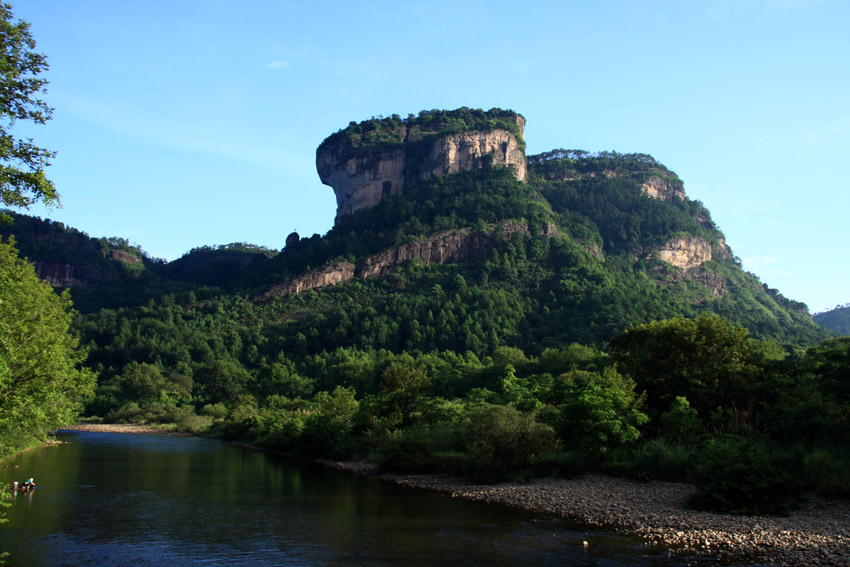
x=374, y=159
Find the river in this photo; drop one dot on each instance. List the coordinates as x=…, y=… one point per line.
x=110, y=499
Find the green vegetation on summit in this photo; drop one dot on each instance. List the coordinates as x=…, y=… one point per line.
x=380, y=133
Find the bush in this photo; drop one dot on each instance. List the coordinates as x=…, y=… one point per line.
x=601, y=411
x=680, y=423
x=738, y=475
x=828, y=471
x=128, y=413
x=502, y=441
x=328, y=428
x=657, y=459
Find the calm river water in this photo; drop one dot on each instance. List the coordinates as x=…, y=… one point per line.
x=117, y=499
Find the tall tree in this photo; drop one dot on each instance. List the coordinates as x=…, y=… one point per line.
x=42, y=381
x=22, y=163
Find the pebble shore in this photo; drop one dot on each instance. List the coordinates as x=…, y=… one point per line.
x=817, y=534
x=120, y=428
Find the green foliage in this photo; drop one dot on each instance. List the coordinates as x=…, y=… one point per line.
x=655, y=459
x=22, y=163
x=707, y=360
x=41, y=383
x=827, y=470
x=429, y=125
x=328, y=427
x=403, y=391
x=836, y=319
x=739, y=475
x=601, y=411
x=501, y=439
x=681, y=424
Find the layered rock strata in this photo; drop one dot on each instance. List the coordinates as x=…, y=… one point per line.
x=448, y=247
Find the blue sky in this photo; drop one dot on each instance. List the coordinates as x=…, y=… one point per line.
x=187, y=123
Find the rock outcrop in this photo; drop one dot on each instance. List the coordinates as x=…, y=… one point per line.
x=331, y=274
x=686, y=252
x=123, y=256
x=664, y=189
x=448, y=247
x=473, y=150
x=689, y=253
x=361, y=174
x=63, y=274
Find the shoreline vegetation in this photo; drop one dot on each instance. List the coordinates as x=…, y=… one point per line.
x=817, y=533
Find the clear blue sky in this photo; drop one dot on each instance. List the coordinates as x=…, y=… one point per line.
x=181, y=123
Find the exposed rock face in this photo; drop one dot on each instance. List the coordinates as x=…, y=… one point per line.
x=686, y=252
x=444, y=248
x=689, y=253
x=447, y=247
x=361, y=181
x=62, y=274
x=714, y=282
x=361, y=178
x=663, y=189
x=331, y=274
x=473, y=150
x=124, y=257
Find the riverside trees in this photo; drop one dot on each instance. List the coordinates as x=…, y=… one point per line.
x=42, y=383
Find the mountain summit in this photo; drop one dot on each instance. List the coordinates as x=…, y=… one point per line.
x=370, y=160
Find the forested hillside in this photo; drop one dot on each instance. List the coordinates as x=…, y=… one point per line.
x=591, y=316
x=837, y=319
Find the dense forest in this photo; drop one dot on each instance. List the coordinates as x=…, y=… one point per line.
x=568, y=346
x=836, y=319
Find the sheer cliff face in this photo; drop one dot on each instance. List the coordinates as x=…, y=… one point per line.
x=360, y=179
x=472, y=150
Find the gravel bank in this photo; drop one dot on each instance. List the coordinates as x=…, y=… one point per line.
x=817, y=534
x=118, y=428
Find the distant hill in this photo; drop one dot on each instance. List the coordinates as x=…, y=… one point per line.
x=836, y=319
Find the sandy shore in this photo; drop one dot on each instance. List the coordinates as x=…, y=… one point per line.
x=817, y=534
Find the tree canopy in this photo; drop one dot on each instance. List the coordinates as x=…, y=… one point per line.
x=42, y=383
x=22, y=163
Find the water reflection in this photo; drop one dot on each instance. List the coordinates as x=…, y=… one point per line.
x=116, y=499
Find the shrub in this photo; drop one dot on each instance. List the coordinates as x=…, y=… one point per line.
x=680, y=423
x=657, y=459
x=739, y=475
x=828, y=471
x=601, y=412
x=501, y=441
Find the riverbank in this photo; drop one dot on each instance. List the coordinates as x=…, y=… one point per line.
x=120, y=428
x=816, y=534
